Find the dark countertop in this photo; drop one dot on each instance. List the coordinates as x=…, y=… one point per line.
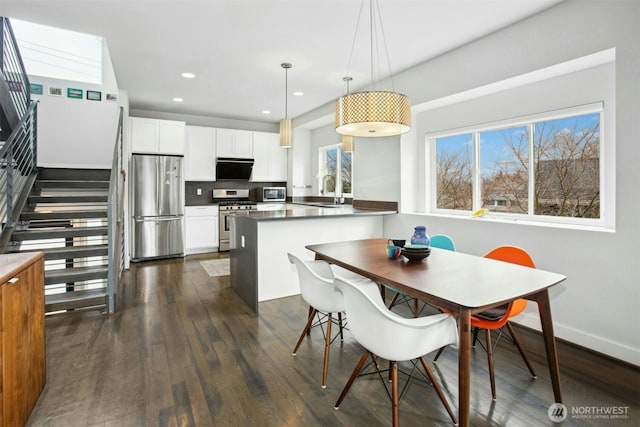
x=301, y=211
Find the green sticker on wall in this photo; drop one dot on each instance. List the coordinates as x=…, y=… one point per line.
x=74, y=93
x=36, y=89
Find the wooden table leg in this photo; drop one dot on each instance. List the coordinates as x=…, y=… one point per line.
x=464, y=366
x=544, y=308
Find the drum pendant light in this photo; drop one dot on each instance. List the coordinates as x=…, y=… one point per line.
x=373, y=113
x=286, y=127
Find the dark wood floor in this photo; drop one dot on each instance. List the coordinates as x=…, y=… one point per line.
x=184, y=350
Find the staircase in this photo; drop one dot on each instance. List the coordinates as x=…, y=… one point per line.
x=76, y=217
x=66, y=218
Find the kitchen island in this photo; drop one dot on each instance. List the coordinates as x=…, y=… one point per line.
x=260, y=241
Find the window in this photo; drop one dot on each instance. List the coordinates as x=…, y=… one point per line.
x=65, y=55
x=547, y=166
x=453, y=166
x=335, y=168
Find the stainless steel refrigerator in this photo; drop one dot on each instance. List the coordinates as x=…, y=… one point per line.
x=157, y=206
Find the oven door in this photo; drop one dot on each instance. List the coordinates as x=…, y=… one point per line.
x=224, y=231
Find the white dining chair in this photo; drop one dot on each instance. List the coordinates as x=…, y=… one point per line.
x=318, y=290
x=387, y=335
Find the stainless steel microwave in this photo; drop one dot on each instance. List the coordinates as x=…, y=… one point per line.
x=274, y=194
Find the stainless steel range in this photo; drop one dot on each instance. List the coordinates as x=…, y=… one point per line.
x=231, y=202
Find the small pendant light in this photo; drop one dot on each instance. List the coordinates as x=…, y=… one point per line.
x=286, y=127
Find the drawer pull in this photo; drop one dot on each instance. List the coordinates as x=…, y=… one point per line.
x=13, y=280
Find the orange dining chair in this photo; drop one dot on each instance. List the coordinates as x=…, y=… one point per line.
x=498, y=317
x=441, y=241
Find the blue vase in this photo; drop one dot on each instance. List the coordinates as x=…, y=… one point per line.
x=420, y=236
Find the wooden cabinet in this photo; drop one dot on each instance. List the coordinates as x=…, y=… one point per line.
x=234, y=143
x=270, y=159
x=22, y=336
x=200, y=154
x=153, y=136
x=201, y=234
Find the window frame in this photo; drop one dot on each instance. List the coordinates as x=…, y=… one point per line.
x=606, y=177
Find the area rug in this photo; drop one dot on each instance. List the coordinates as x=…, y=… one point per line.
x=216, y=267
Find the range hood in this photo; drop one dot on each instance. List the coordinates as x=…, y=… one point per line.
x=233, y=168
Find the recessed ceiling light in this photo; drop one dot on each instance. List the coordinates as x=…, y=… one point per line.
x=298, y=93
x=178, y=99
x=188, y=75
x=266, y=112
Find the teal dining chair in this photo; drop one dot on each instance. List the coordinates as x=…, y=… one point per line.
x=440, y=241
x=443, y=241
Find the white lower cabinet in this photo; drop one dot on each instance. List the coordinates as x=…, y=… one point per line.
x=201, y=234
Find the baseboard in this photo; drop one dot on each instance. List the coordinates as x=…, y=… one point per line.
x=584, y=340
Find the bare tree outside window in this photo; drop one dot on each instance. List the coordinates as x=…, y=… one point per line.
x=504, y=161
x=567, y=171
x=566, y=168
x=336, y=167
x=453, y=159
x=331, y=162
x=345, y=172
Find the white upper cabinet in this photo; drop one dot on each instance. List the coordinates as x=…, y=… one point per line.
x=270, y=160
x=200, y=154
x=234, y=143
x=157, y=136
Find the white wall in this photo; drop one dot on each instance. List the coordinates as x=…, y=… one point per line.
x=77, y=133
x=300, y=170
x=597, y=306
x=376, y=162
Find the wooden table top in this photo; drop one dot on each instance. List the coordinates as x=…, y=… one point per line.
x=449, y=279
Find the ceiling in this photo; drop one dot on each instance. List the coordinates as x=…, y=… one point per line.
x=235, y=48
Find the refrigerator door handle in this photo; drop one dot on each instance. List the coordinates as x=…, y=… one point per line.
x=161, y=218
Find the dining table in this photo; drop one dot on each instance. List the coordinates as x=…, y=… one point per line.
x=462, y=283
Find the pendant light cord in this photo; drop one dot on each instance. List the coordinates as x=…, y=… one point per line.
x=386, y=50
x=355, y=36
x=371, y=46
x=286, y=67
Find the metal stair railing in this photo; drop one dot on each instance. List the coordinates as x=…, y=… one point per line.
x=17, y=172
x=115, y=219
x=18, y=124
x=15, y=89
